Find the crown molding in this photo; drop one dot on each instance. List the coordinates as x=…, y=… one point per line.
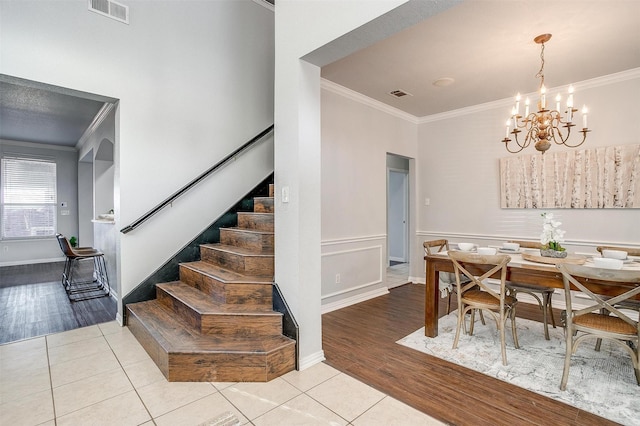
x=37, y=145
x=97, y=121
x=604, y=80
x=507, y=102
x=359, y=97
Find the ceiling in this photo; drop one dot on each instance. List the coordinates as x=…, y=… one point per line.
x=487, y=47
x=34, y=112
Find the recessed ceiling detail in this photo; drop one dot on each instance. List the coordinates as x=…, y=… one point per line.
x=443, y=82
x=399, y=93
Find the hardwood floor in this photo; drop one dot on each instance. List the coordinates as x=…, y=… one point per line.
x=360, y=340
x=34, y=303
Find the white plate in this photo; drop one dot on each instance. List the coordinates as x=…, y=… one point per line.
x=504, y=250
x=625, y=261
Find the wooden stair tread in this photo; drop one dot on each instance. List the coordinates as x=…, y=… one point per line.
x=177, y=337
x=192, y=297
x=236, y=250
x=249, y=231
x=224, y=275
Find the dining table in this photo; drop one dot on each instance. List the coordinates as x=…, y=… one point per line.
x=520, y=269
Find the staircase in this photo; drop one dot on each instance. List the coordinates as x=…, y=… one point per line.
x=217, y=323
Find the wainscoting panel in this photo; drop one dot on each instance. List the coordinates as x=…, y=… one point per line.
x=353, y=270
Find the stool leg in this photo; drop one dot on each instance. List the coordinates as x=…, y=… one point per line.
x=103, y=274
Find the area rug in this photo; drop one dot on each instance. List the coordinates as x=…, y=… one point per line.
x=602, y=383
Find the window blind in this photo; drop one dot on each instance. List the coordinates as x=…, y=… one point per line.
x=28, y=197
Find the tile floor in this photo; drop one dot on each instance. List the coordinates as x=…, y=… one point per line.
x=397, y=275
x=100, y=375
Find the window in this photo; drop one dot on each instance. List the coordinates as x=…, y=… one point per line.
x=28, y=197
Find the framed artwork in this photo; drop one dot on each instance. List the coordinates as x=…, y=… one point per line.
x=597, y=178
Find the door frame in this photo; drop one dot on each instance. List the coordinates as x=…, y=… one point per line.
x=405, y=215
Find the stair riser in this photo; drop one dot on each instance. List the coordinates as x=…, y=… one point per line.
x=151, y=345
x=257, y=295
x=242, y=325
x=259, y=265
x=183, y=311
x=262, y=243
x=223, y=324
x=258, y=221
x=272, y=192
x=263, y=205
x=214, y=367
x=244, y=367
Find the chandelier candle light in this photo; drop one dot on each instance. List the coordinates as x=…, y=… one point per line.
x=546, y=124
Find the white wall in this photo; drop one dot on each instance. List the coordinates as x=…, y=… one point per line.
x=458, y=170
x=194, y=80
x=302, y=27
x=356, y=138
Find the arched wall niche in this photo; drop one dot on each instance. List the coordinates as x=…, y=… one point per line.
x=103, y=178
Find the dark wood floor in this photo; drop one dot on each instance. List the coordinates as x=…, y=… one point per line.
x=34, y=303
x=360, y=341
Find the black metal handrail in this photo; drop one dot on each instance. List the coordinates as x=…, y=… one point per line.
x=195, y=181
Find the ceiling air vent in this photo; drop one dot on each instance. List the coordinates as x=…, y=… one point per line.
x=110, y=9
x=399, y=93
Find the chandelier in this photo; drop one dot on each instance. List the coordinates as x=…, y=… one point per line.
x=545, y=125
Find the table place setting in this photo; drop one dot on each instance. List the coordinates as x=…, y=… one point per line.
x=609, y=259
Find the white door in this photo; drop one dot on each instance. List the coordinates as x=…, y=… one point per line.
x=397, y=215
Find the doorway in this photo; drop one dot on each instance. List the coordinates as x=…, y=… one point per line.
x=398, y=253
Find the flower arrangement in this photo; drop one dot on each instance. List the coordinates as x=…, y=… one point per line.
x=552, y=235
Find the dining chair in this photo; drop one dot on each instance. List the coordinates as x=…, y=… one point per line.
x=500, y=306
x=545, y=293
x=79, y=289
x=602, y=319
x=627, y=304
x=447, y=279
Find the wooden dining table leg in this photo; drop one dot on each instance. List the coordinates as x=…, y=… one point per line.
x=431, y=300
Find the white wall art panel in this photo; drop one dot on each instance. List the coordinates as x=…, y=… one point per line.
x=603, y=177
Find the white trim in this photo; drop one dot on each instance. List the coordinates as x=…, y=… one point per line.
x=501, y=103
x=417, y=280
x=334, y=253
x=329, y=307
x=97, y=121
x=311, y=360
x=32, y=261
x=365, y=100
x=350, y=289
x=353, y=240
x=38, y=145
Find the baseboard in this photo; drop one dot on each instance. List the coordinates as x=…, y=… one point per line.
x=417, y=280
x=32, y=262
x=353, y=300
x=311, y=360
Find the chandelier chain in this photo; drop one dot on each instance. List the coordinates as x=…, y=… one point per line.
x=540, y=73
